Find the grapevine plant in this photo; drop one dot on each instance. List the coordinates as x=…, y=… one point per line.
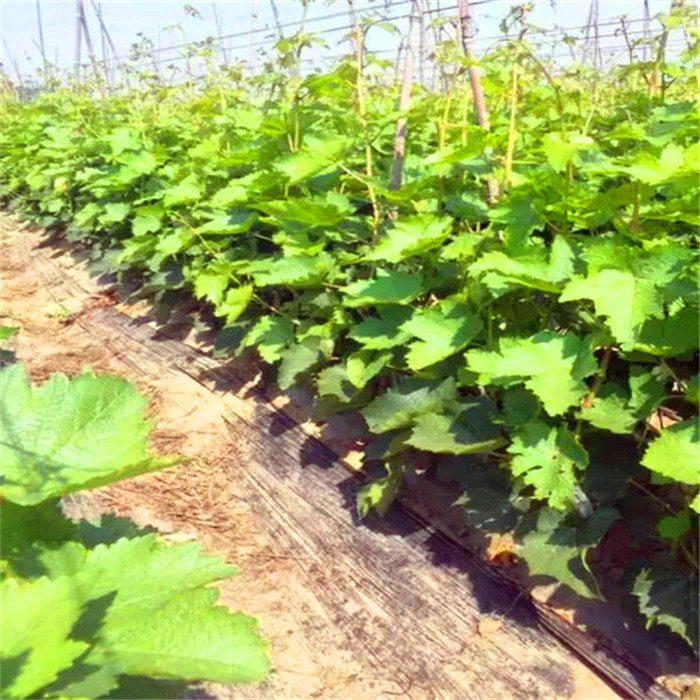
x=552, y=329
x=100, y=609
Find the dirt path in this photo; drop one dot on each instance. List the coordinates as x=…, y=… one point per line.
x=351, y=611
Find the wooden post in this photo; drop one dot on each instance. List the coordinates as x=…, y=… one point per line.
x=482, y=117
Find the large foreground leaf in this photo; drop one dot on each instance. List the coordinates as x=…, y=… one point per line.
x=35, y=643
x=143, y=611
x=69, y=434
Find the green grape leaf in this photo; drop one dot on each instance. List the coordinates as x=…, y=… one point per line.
x=560, y=150
x=334, y=381
x=653, y=170
x=174, y=241
x=646, y=391
x=188, y=190
x=548, y=458
x=673, y=527
x=163, y=621
x=384, y=332
x=124, y=139
x=466, y=429
x=399, y=406
x=669, y=597
x=379, y=494
x=211, y=282
x=363, y=365
x=387, y=288
x=695, y=503
x=692, y=389
x=233, y=193
x=675, y=454
x=610, y=410
x=234, y=303
x=443, y=330
x=557, y=549
x=115, y=213
x=35, y=629
x=141, y=225
x=69, y=434
x=519, y=407
x=150, y=613
x=520, y=215
x=411, y=235
x=296, y=270
x=487, y=501
x=626, y=300
x=309, y=212
x=298, y=359
x=271, y=335
x=670, y=336
x=23, y=527
x=552, y=366
x=532, y=270
x=228, y=223
x=317, y=155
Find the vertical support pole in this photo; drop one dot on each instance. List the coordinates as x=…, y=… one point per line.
x=421, y=42
x=405, y=103
x=82, y=20
x=78, y=39
x=42, y=46
x=482, y=117
x=106, y=40
x=217, y=22
x=251, y=50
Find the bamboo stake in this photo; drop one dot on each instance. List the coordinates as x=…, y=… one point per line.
x=421, y=42
x=106, y=39
x=276, y=14
x=251, y=51
x=42, y=46
x=217, y=22
x=482, y=117
x=360, y=86
x=13, y=62
x=78, y=40
x=362, y=108
x=512, y=127
x=405, y=103
x=88, y=40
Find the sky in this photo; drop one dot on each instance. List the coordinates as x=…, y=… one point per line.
x=167, y=23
